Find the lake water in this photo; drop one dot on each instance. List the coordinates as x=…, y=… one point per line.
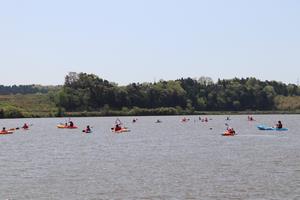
x=168, y=160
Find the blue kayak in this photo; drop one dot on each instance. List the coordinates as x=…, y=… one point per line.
x=267, y=128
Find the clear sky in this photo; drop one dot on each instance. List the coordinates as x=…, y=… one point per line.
x=127, y=41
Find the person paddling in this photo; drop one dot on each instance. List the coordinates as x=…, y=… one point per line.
x=71, y=124
x=87, y=129
x=231, y=130
x=25, y=126
x=118, y=124
x=279, y=125
x=118, y=127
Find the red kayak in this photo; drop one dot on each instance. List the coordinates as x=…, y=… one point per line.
x=6, y=132
x=122, y=130
x=229, y=133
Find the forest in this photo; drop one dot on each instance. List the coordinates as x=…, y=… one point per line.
x=88, y=92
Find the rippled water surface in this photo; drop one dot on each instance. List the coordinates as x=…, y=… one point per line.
x=168, y=160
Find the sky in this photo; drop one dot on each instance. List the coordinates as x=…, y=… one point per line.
x=148, y=40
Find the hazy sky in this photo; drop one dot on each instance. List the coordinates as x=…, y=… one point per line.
x=127, y=41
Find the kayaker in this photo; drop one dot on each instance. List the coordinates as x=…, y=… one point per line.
x=279, y=124
x=118, y=124
x=117, y=127
x=230, y=130
x=4, y=131
x=88, y=129
x=71, y=124
x=25, y=126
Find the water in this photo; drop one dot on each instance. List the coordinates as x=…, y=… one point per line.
x=168, y=160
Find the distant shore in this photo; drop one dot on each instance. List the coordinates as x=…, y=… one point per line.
x=120, y=113
x=198, y=113
x=112, y=113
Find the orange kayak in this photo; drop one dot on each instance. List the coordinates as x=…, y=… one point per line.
x=228, y=133
x=6, y=132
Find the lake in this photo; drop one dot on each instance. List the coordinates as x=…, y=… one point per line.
x=168, y=160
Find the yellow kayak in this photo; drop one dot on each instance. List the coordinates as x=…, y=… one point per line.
x=68, y=127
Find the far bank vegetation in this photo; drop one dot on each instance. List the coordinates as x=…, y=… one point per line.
x=88, y=95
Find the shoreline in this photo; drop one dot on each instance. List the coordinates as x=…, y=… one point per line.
x=113, y=113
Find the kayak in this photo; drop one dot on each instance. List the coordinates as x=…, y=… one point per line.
x=267, y=128
x=67, y=127
x=85, y=131
x=122, y=130
x=6, y=132
x=14, y=129
x=228, y=133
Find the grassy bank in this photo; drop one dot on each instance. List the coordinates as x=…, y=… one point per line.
x=28, y=105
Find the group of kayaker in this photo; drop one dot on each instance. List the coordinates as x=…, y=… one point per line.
x=118, y=126
x=9, y=131
x=278, y=126
x=70, y=125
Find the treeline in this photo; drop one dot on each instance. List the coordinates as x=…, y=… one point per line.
x=88, y=92
x=26, y=89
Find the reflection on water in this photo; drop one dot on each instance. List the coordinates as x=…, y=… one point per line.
x=168, y=160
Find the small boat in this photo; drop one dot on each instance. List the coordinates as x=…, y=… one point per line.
x=122, y=130
x=66, y=127
x=267, y=128
x=6, y=132
x=228, y=133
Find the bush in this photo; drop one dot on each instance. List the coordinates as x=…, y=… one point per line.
x=12, y=112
